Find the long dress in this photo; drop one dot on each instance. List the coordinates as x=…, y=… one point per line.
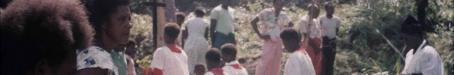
x=270, y=61
x=196, y=45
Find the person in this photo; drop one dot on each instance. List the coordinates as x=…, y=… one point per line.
x=214, y=62
x=310, y=27
x=111, y=21
x=130, y=54
x=273, y=21
x=222, y=25
x=330, y=26
x=40, y=37
x=232, y=66
x=170, y=59
x=199, y=69
x=420, y=58
x=196, y=44
x=298, y=62
x=180, y=17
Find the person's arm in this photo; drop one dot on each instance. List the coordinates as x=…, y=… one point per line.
x=206, y=33
x=212, y=29
x=184, y=35
x=93, y=71
x=256, y=30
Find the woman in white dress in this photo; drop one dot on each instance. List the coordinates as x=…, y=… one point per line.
x=196, y=44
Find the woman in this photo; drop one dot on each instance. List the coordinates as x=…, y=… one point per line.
x=110, y=19
x=197, y=44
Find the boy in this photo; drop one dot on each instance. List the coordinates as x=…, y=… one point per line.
x=421, y=58
x=222, y=25
x=309, y=26
x=330, y=25
x=214, y=62
x=273, y=21
x=232, y=66
x=170, y=59
x=298, y=62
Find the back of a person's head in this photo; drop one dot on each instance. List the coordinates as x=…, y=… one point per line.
x=290, y=34
x=171, y=31
x=36, y=32
x=214, y=56
x=229, y=49
x=199, y=12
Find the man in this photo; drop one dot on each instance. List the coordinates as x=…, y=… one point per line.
x=213, y=62
x=170, y=59
x=310, y=27
x=40, y=37
x=222, y=25
x=273, y=21
x=421, y=57
x=232, y=66
x=330, y=26
x=298, y=62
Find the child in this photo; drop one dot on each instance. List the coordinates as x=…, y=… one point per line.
x=298, y=62
x=214, y=62
x=273, y=21
x=232, y=66
x=330, y=25
x=310, y=27
x=196, y=44
x=170, y=59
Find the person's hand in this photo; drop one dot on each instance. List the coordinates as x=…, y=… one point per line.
x=265, y=37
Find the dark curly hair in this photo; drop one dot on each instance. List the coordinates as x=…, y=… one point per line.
x=101, y=10
x=34, y=31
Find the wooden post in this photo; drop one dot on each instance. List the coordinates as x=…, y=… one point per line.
x=158, y=16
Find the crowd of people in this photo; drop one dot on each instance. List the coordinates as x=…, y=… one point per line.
x=90, y=37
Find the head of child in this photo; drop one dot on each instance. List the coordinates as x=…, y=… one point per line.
x=180, y=18
x=313, y=10
x=290, y=39
x=199, y=12
x=171, y=31
x=228, y=52
x=329, y=8
x=199, y=69
x=213, y=58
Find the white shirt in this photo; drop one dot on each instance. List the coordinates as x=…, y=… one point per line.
x=272, y=24
x=312, y=27
x=299, y=63
x=225, y=22
x=329, y=26
x=234, y=68
x=171, y=63
x=211, y=73
x=426, y=61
